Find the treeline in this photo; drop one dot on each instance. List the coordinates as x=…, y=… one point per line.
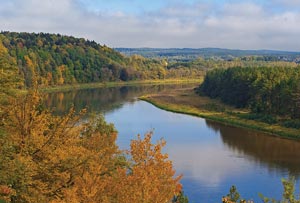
x=247, y=61
x=190, y=54
x=56, y=59
x=265, y=90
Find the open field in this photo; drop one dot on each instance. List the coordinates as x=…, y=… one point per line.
x=121, y=83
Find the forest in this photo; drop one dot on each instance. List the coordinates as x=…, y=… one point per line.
x=57, y=60
x=269, y=91
x=65, y=158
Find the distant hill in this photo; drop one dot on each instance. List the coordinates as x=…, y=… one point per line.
x=188, y=54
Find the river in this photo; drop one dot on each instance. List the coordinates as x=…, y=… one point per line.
x=212, y=157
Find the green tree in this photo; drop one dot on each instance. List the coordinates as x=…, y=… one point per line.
x=10, y=79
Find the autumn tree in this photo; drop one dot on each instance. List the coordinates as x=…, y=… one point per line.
x=29, y=72
x=102, y=159
x=41, y=151
x=149, y=176
x=47, y=158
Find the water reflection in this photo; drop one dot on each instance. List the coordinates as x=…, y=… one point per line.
x=276, y=153
x=211, y=156
x=102, y=99
x=206, y=164
x=198, y=152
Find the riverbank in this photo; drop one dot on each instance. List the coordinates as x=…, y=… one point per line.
x=186, y=101
x=118, y=83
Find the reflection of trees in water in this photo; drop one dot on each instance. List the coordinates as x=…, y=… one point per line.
x=212, y=125
x=278, y=154
x=101, y=99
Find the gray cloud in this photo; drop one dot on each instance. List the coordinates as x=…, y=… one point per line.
x=235, y=25
x=288, y=2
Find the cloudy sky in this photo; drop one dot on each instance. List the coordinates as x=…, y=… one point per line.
x=238, y=24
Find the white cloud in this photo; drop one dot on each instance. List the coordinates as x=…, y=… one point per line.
x=235, y=25
x=205, y=164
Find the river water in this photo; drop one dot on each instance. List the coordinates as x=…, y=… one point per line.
x=212, y=157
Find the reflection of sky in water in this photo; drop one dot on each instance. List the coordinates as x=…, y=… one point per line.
x=210, y=159
x=207, y=164
x=211, y=156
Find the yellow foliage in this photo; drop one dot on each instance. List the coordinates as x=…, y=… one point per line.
x=60, y=70
x=149, y=177
x=47, y=158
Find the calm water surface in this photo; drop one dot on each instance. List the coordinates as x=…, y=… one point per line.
x=211, y=156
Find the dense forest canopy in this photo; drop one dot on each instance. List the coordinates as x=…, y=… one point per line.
x=54, y=59
x=57, y=59
x=265, y=90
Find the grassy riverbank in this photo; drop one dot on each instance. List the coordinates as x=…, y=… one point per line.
x=119, y=83
x=187, y=102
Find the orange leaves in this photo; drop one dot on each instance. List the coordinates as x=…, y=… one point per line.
x=150, y=176
x=46, y=154
x=6, y=192
x=144, y=151
x=62, y=159
x=147, y=177
x=60, y=78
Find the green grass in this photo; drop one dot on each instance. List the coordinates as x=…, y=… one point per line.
x=118, y=83
x=225, y=118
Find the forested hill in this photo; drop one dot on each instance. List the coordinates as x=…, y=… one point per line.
x=57, y=59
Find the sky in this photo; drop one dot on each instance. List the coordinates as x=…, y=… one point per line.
x=233, y=24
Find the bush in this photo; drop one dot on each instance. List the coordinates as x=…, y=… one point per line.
x=260, y=117
x=292, y=124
